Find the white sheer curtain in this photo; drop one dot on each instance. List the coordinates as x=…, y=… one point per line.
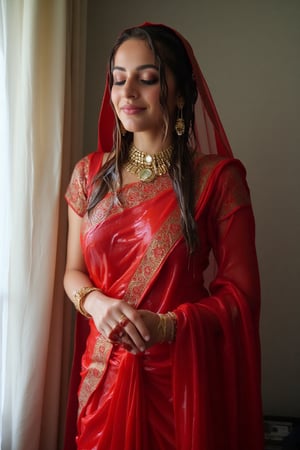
x=41, y=82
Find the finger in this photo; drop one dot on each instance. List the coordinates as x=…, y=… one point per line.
x=137, y=341
x=137, y=321
x=135, y=336
x=123, y=321
x=127, y=343
x=117, y=325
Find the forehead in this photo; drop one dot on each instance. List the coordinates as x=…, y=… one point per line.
x=132, y=53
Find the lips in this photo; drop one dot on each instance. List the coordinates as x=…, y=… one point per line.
x=130, y=109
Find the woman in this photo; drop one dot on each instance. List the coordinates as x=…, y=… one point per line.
x=169, y=359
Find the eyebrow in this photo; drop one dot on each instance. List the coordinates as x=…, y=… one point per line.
x=139, y=68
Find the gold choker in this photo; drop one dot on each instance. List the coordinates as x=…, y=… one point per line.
x=147, y=166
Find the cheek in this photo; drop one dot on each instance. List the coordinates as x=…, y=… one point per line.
x=153, y=96
x=114, y=100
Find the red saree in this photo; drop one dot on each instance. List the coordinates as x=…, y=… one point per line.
x=203, y=391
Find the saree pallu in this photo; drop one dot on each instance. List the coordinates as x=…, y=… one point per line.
x=201, y=392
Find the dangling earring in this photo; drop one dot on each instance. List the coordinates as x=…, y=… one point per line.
x=122, y=129
x=180, y=125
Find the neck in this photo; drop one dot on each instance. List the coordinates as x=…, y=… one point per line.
x=150, y=144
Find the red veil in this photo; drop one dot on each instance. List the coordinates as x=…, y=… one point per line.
x=208, y=124
x=234, y=376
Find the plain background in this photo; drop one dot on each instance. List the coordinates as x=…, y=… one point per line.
x=249, y=52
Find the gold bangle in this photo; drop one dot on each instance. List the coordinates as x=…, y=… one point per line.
x=79, y=296
x=162, y=327
x=173, y=322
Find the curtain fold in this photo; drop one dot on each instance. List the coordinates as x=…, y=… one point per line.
x=43, y=48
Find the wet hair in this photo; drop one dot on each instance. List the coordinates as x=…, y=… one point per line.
x=169, y=52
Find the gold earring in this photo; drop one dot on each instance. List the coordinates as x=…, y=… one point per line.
x=180, y=124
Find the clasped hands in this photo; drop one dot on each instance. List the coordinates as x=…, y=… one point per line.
x=121, y=324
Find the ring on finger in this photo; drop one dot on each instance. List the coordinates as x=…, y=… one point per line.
x=117, y=331
x=123, y=321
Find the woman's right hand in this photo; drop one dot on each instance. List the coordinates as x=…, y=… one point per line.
x=118, y=321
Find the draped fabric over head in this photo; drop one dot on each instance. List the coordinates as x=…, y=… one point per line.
x=215, y=359
x=209, y=129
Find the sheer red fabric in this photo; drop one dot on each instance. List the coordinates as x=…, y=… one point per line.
x=203, y=391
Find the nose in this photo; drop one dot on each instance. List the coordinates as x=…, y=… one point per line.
x=130, y=88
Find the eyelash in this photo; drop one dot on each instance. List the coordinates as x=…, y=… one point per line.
x=150, y=82
x=147, y=82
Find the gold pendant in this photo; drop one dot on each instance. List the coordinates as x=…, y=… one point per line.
x=146, y=175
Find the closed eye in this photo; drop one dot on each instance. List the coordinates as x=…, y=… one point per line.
x=145, y=74
x=143, y=81
x=119, y=83
x=150, y=82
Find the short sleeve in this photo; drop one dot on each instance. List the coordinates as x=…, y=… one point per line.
x=76, y=193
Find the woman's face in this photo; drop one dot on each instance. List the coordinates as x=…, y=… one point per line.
x=135, y=90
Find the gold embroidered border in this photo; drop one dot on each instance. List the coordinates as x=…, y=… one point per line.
x=159, y=248
x=95, y=372
x=131, y=195
x=165, y=239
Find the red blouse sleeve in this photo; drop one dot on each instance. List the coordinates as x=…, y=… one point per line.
x=77, y=193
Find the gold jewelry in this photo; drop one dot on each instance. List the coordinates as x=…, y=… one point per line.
x=180, y=124
x=173, y=326
x=123, y=321
x=162, y=327
x=79, y=296
x=146, y=166
x=167, y=327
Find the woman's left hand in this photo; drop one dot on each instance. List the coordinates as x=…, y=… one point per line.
x=152, y=321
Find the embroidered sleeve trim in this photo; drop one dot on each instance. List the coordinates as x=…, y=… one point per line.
x=76, y=194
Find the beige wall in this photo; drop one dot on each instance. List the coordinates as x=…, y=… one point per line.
x=249, y=52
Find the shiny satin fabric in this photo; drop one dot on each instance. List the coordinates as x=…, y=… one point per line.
x=203, y=391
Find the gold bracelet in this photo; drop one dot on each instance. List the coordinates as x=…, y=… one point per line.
x=167, y=327
x=173, y=323
x=162, y=327
x=79, y=296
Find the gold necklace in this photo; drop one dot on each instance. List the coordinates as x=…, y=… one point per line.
x=147, y=166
